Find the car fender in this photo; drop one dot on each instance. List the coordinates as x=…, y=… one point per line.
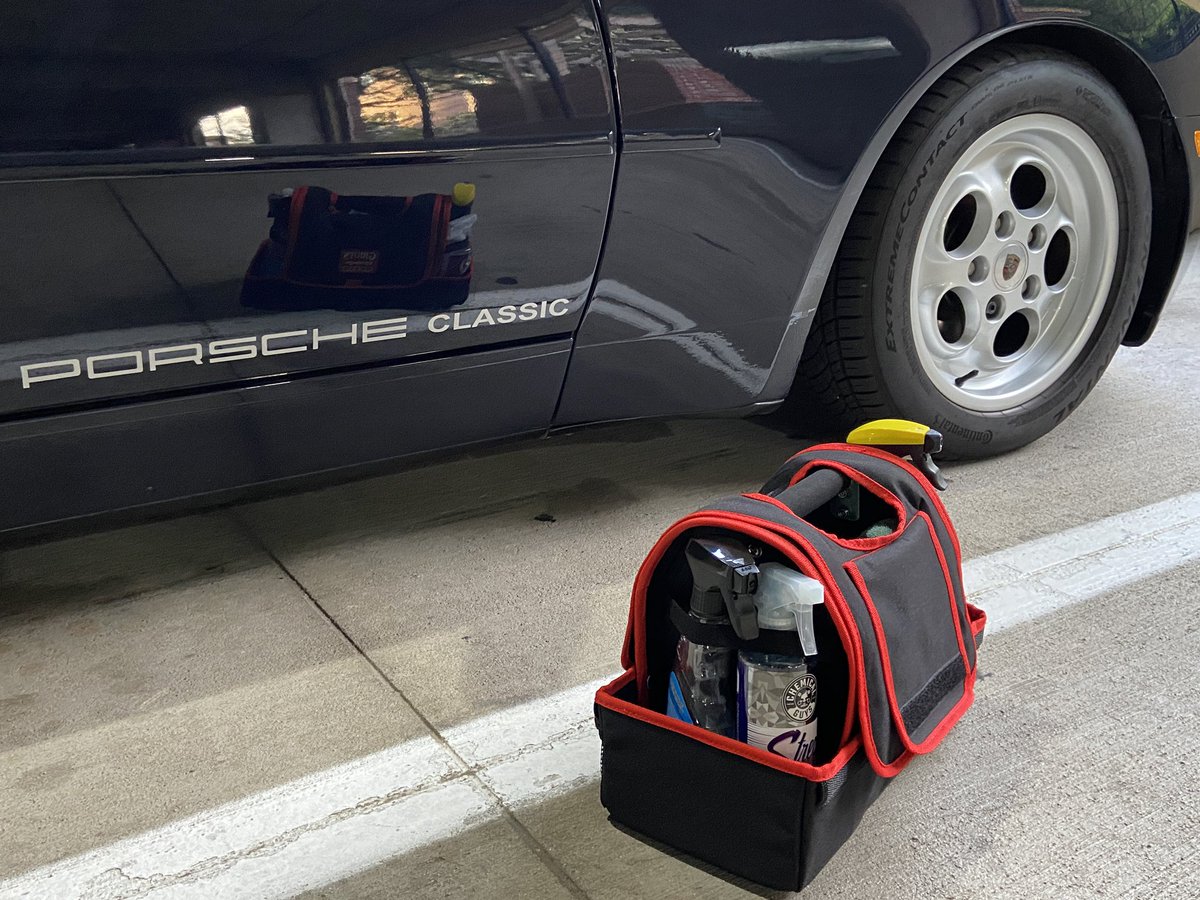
x=1170, y=234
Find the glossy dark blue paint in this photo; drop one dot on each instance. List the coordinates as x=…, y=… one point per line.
x=804, y=97
x=140, y=145
x=143, y=146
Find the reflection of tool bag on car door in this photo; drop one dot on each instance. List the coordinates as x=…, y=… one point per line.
x=325, y=249
x=788, y=652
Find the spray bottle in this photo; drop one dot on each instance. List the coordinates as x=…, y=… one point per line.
x=777, y=693
x=700, y=690
x=456, y=260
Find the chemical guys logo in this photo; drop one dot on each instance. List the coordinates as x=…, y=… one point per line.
x=133, y=362
x=800, y=699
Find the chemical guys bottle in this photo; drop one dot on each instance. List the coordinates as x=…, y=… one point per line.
x=777, y=694
x=700, y=690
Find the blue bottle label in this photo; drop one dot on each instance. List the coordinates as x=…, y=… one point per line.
x=676, y=704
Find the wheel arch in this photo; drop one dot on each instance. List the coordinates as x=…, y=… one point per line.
x=1133, y=79
x=1143, y=95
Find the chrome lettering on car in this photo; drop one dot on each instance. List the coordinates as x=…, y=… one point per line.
x=152, y=359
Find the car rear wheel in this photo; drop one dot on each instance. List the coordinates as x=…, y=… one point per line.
x=995, y=258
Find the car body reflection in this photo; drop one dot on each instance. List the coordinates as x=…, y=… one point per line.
x=328, y=251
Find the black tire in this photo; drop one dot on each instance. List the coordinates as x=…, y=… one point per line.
x=860, y=360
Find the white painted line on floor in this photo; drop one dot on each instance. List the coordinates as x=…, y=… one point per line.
x=1038, y=577
x=348, y=819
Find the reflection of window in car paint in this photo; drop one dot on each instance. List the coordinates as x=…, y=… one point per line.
x=221, y=129
x=434, y=98
x=524, y=80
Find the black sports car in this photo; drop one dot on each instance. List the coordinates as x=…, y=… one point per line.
x=257, y=240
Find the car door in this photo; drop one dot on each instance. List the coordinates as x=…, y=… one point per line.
x=143, y=143
x=206, y=197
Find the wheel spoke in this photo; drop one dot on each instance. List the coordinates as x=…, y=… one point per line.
x=940, y=272
x=991, y=182
x=981, y=354
x=1047, y=305
x=1057, y=217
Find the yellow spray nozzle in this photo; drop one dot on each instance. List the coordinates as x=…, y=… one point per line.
x=890, y=433
x=463, y=193
x=904, y=438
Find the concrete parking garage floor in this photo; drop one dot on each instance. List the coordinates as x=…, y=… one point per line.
x=379, y=689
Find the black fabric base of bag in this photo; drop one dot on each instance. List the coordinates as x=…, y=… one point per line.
x=774, y=828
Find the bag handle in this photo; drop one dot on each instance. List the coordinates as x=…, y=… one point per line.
x=812, y=491
x=372, y=205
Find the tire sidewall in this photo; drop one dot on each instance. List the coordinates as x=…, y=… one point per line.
x=1039, y=86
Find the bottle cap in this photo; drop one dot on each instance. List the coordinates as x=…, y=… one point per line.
x=724, y=579
x=463, y=193
x=785, y=600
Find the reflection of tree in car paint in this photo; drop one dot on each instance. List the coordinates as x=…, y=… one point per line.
x=393, y=103
x=381, y=83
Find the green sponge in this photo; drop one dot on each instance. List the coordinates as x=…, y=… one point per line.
x=880, y=528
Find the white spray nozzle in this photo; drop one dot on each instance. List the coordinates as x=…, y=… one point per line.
x=785, y=600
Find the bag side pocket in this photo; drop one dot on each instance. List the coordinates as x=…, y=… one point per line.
x=921, y=680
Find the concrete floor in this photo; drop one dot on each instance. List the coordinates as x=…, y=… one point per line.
x=151, y=673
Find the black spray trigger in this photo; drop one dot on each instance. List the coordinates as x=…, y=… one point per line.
x=724, y=580
x=739, y=600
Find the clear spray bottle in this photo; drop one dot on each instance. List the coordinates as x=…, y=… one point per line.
x=777, y=693
x=701, y=687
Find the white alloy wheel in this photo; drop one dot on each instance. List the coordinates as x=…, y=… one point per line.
x=1014, y=262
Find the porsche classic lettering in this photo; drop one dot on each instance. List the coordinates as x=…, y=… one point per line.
x=384, y=330
x=526, y=312
x=160, y=356
x=960, y=229
x=134, y=362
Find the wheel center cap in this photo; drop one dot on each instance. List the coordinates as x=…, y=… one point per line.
x=1010, y=266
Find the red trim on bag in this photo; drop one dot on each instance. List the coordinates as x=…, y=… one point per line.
x=764, y=498
x=294, y=208
x=801, y=552
x=437, y=238
x=627, y=645
x=785, y=544
x=884, y=769
x=812, y=564
x=954, y=610
x=908, y=467
x=617, y=683
x=606, y=697
x=935, y=737
x=978, y=619
x=873, y=487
